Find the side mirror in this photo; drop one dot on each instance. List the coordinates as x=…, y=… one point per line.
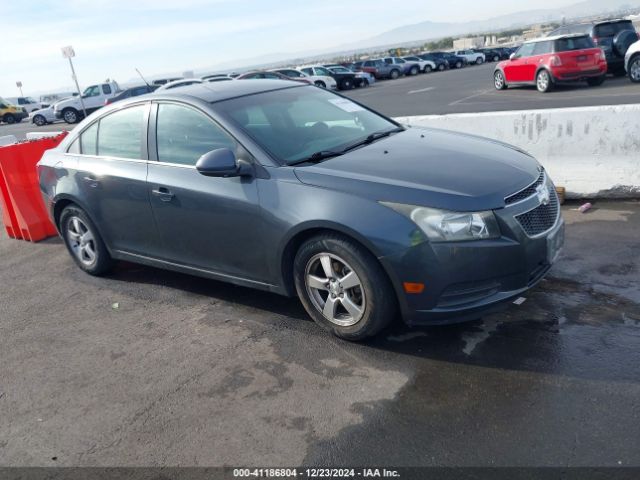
x=222, y=163
x=512, y=56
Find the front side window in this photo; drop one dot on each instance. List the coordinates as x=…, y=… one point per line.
x=308, y=71
x=183, y=135
x=89, y=140
x=294, y=123
x=92, y=91
x=120, y=133
x=525, y=50
x=323, y=71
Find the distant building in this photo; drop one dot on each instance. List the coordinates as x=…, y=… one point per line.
x=468, y=42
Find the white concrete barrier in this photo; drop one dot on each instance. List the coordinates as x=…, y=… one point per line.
x=591, y=151
x=39, y=135
x=7, y=140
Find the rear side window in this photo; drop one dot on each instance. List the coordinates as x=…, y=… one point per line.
x=611, y=29
x=106, y=89
x=542, y=48
x=525, y=50
x=184, y=135
x=120, y=134
x=574, y=43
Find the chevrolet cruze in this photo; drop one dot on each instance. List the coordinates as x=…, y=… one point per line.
x=296, y=190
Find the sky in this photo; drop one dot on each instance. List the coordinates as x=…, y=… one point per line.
x=113, y=37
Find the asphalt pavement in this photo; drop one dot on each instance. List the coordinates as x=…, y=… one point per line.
x=151, y=368
x=471, y=90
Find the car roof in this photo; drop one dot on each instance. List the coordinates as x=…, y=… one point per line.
x=555, y=37
x=219, y=91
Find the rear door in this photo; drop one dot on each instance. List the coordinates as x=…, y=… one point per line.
x=207, y=223
x=517, y=70
x=112, y=174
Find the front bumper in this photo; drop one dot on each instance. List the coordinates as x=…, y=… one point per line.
x=465, y=280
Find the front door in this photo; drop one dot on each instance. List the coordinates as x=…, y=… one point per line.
x=517, y=70
x=208, y=223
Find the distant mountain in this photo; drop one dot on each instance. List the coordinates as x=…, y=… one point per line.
x=433, y=30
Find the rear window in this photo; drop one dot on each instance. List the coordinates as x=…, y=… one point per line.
x=574, y=43
x=611, y=29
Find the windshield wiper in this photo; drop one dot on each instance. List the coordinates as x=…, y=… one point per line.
x=372, y=138
x=323, y=154
x=318, y=156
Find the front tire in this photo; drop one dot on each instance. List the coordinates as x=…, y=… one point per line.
x=414, y=71
x=496, y=58
x=394, y=74
x=634, y=69
x=458, y=64
x=321, y=84
x=343, y=287
x=479, y=61
x=39, y=120
x=543, y=81
x=83, y=241
x=9, y=119
x=428, y=69
x=499, y=80
x=346, y=84
x=441, y=67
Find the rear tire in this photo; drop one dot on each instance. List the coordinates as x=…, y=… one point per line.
x=414, y=71
x=441, y=67
x=543, y=81
x=346, y=84
x=343, y=287
x=83, y=241
x=39, y=120
x=479, y=61
x=321, y=84
x=427, y=69
x=394, y=74
x=496, y=58
x=458, y=64
x=9, y=119
x=499, y=81
x=596, y=81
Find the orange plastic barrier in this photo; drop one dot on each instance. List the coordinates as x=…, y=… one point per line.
x=23, y=212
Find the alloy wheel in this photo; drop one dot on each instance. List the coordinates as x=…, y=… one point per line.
x=499, y=80
x=39, y=120
x=70, y=116
x=335, y=289
x=634, y=70
x=81, y=241
x=543, y=81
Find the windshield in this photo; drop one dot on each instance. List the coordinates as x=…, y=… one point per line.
x=294, y=123
x=574, y=43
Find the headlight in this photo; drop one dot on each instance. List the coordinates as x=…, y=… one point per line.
x=447, y=226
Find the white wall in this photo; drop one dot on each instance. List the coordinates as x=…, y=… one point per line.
x=591, y=151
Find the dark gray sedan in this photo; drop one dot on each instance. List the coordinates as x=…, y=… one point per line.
x=299, y=191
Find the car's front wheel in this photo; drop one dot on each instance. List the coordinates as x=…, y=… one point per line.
x=458, y=64
x=346, y=84
x=84, y=242
x=321, y=84
x=414, y=70
x=70, y=115
x=499, y=81
x=8, y=118
x=634, y=69
x=343, y=287
x=427, y=69
x=39, y=120
x=441, y=67
x=394, y=74
x=479, y=61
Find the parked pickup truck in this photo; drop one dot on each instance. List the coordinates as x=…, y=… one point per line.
x=94, y=97
x=471, y=55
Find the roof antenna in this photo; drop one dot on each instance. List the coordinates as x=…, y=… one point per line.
x=147, y=83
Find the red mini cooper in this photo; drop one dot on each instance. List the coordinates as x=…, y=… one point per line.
x=546, y=62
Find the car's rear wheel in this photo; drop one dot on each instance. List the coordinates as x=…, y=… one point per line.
x=414, y=70
x=458, y=64
x=321, y=84
x=70, y=115
x=84, y=242
x=499, y=81
x=8, y=118
x=496, y=58
x=441, y=67
x=634, y=69
x=596, y=81
x=343, y=287
x=479, y=61
x=39, y=120
x=543, y=81
x=394, y=74
x=427, y=69
x=346, y=84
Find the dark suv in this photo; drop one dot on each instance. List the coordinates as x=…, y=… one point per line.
x=613, y=36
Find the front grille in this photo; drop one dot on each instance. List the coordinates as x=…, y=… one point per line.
x=542, y=218
x=527, y=192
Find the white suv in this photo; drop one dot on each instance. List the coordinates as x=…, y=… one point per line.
x=93, y=97
x=28, y=103
x=632, y=62
x=471, y=55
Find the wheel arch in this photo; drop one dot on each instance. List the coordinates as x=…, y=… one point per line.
x=63, y=201
x=304, y=232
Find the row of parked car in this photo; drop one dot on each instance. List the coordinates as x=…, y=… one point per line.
x=579, y=52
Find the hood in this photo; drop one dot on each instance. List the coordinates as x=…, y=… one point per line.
x=428, y=167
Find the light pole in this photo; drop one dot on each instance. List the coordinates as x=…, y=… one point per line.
x=68, y=52
x=19, y=85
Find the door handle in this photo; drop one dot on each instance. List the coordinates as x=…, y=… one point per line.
x=163, y=193
x=93, y=182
